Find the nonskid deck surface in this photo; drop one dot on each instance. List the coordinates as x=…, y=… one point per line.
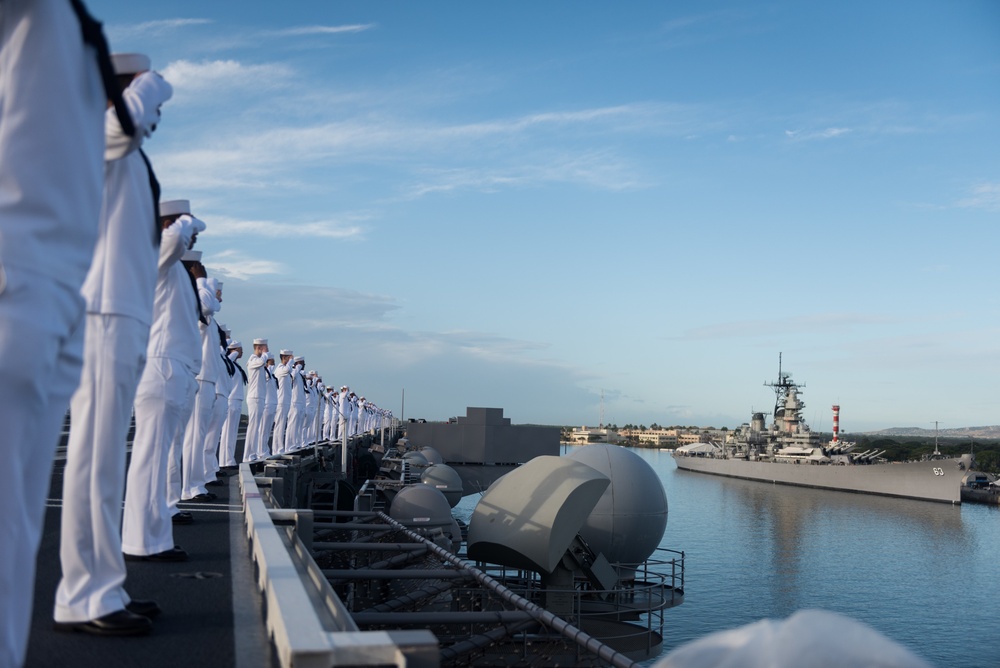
x=202, y=623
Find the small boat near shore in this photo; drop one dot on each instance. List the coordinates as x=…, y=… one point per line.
x=787, y=452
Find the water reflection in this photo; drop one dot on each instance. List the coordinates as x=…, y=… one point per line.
x=759, y=550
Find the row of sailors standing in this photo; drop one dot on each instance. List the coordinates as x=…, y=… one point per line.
x=289, y=409
x=100, y=288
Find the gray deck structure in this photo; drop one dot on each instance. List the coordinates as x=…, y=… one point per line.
x=275, y=581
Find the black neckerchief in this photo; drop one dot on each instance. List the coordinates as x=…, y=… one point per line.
x=242, y=372
x=154, y=185
x=197, y=299
x=92, y=33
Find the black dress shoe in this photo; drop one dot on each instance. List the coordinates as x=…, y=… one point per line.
x=183, y=517
x=215, y=483
x=176, y=554
x=121, y=623
x=202, y=498
x=144, y=608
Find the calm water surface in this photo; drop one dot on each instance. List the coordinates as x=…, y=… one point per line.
x=924, y=574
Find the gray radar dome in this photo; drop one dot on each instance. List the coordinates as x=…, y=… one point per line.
x=419, y=506
x=446, y=479
x=414, y=458
x=431, y=455
x=529, y=517
x=628, y=521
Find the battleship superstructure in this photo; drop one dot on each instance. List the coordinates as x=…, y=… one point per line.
x=788, y=452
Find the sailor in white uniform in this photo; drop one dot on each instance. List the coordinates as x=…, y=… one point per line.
x=344, y=406
x=297, y=414
x=318, y=411
x=328, y=417
x=119, y=295
x=270, y=407
x=310, y=409
x=51, y=173
x=230, y=429
x=255, y=396
x=165, y=396
x=282, y=372
x=223, y=386
x=196, y=431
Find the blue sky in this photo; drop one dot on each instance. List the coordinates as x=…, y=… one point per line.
x=526, y=205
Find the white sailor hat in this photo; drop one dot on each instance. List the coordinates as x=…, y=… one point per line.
x=235, y=344
x=313, y=373
x=300, y=358
x=260, y=342
x=130, y=63
x=344, y=387
x=175, y=207
x=191, y=256
x=218, y=286
x=286, y=351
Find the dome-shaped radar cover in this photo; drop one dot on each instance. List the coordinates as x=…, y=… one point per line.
x=628, y=523
x=528, y=518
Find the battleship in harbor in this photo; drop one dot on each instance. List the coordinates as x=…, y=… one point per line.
x=788, y=452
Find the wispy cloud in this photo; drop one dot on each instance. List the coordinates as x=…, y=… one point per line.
x=329, y=229
x=822, y=322
x=236, y=264
x=984, y=196
x=600, y=170
x=222, y=76
x=151, y=28
x=809, y=135
x=441, y=157
x=322, y=30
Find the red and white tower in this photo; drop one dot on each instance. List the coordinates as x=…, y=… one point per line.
x=836, y=423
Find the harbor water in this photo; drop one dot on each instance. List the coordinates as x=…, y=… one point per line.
x=925, y=574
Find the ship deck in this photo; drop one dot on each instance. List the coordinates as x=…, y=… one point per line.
x=211, y=606
x=252, y=595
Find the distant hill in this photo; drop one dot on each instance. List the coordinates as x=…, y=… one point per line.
x=992, y=432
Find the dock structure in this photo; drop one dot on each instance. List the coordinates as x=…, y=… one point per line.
x=297, y=564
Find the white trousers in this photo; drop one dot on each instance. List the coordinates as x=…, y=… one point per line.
x=278, y=444
x=163, y=403
x=296, y=421
x=214, y=436
x=51, y=143
x=90, y=548
x=193, y=453
x=256, y=430
x=230, y=431
x=267, y=429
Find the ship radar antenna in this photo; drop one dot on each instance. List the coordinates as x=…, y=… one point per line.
x=782, y=386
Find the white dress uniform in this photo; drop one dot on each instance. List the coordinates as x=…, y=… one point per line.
x=282, y=372
x=165, y=397
x=51, y=147
x=297, y=414
x=270, y=408
x=352, y=417
x=230, y=430
x=223, y=386
x=257, y=377
x=196, y=431
x=319, y=412
x=327, y=413
x=310, y=412
x=344, y=406
x=119, y=294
